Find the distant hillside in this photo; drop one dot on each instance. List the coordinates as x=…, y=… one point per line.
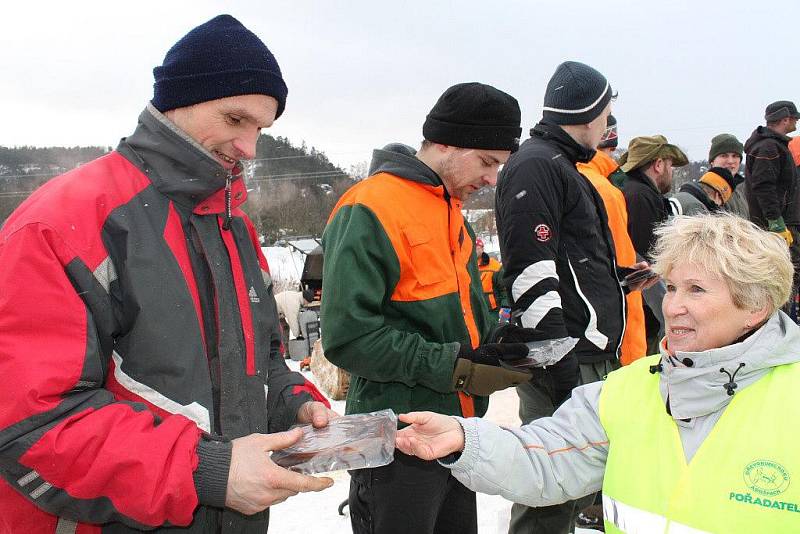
x=292, y=189
x=23, y=169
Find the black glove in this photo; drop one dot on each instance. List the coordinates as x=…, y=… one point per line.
x=492, y=353
x=511, y=333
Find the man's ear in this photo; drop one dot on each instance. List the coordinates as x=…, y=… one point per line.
x=442, y=148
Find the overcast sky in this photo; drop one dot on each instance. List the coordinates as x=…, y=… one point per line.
x=365, y=73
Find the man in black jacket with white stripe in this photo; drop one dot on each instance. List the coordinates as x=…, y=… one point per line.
x=559, y=256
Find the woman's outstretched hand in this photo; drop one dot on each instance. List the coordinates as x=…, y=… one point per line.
x=429, y=435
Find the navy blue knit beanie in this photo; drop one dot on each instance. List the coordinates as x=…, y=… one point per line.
x=218, y=59
x=576, y=94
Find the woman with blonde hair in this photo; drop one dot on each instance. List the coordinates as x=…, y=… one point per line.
x=699, y=438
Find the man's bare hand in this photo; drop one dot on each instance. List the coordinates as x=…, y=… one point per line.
x=643, y=283
x=315, y=413
x=256, y=483
x=430, y=435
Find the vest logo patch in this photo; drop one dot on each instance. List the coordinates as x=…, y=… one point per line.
x=253, y=295
x=766, y=477
x=543, y=233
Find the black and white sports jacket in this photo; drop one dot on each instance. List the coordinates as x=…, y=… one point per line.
x=557, y=249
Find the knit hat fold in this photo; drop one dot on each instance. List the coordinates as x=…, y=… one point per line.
x=218, y=59
x=474, y=115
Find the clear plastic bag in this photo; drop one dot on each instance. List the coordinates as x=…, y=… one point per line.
x=543, y=353
x=349, y=442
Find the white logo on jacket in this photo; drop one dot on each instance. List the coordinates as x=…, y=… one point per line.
x=253, y=295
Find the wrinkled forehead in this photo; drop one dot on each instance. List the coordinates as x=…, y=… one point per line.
x=689, y=265
x=258, y=109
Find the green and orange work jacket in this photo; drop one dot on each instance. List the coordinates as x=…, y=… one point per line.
x=402, y=291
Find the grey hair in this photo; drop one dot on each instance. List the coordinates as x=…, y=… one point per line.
x=754, y=263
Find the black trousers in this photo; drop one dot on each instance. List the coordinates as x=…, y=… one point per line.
x=538, y=398
x=410, y=495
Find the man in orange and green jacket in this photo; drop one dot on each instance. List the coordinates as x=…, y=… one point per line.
x=405, y=312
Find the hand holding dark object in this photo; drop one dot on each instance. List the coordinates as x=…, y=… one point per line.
x=638, y=276
x=511, y=333
x=492, y=353
x=478, y=371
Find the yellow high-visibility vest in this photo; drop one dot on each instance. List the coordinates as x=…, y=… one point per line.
x=744, y=478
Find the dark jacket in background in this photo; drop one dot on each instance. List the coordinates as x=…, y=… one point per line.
x=770, y=178
x=647, y=208
x=737, y=204
x=556, y=246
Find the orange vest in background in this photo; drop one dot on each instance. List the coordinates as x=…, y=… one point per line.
x=794, y=148
x=487, y=273
x=597, y=171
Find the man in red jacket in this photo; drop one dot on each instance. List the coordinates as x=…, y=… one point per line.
x=140, y=378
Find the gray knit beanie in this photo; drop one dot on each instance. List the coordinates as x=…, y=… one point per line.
x=576, y=94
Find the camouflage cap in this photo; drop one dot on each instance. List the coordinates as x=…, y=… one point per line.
x=644, y=149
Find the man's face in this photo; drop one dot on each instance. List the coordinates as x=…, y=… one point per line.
x=466, y=170
x=729, y=160
x=598, y=127
x=791, y=125
x=663, y=174
x=227, y=127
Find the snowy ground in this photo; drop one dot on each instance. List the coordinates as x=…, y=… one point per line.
x=316, y=513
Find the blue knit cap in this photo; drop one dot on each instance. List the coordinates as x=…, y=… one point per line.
x=218, y=59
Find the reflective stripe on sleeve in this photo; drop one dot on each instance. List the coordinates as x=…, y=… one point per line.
x=66, y=526
x=194, y=411
x=539, y=308
x=532, y=275
x=592, y=333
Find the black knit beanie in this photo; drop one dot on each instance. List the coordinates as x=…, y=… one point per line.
x=576, y=94
x=724, y=143
x=218, y=59
x=610, y=137
x=474, y=115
